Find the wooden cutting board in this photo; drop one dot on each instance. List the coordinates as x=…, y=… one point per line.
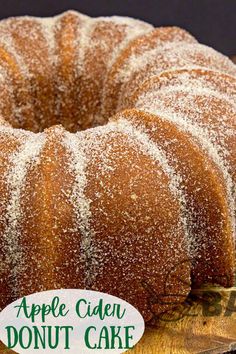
x=196, y=331
x=192, y=327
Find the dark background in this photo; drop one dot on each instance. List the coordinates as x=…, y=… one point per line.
x=213, y=22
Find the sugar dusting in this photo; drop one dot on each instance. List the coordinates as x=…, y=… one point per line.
x=203, y=135
x=158, y=154
x=176, y=53
x=6, y=42
x=170, y=56
x=141, y=141
x=134, y=71
x=81, y=203
x=20, y=162
x=217, y=82
x=48, y=29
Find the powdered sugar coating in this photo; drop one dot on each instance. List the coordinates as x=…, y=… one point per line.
x=203, y=185
x=208, y=116
x=169, y=57
x=20, y=162
x=81, y=204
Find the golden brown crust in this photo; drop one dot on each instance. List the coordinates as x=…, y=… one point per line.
x=50, y=262
x=205, y=191
x=105, y=38
x=9, y=144
x=124, y=215
x=197, y=78
x=182, y=56
x=137, y=48
x=205, y=109
x=28, y=39
x=67, y=36
x=17, y=101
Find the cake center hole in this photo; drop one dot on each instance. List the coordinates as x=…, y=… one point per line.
x=43, y=112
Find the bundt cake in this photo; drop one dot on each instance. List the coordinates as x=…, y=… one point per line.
x=117, y=160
